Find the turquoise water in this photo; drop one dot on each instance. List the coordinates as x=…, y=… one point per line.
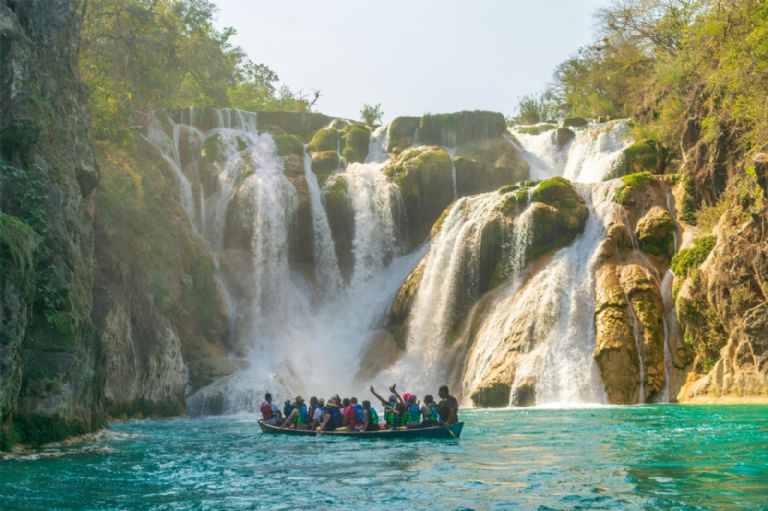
x=653, y=457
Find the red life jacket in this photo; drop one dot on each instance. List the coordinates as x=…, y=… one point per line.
x=266, y=411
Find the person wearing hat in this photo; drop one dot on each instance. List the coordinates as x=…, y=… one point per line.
x=332, y=418
x=298, y=417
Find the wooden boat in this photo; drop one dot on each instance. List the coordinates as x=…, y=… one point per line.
x=437, y=432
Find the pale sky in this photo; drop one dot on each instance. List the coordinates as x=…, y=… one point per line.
x=412, y=56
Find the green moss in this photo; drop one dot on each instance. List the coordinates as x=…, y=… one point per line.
x=18, y=242
x=690, y=258
x=39, y=430
x=401, y=133
x=535, y=129
x=288, y=144
x=325, y=162
x=552, y=190
x=645, y=155
x=655, y=233
x=19, y=138
x=508, y=188
x=458, y=128
x=325, y=139
x=213, y=147
x=637, y=180
x=575, y=122
x=631, y=182
x=356, y=140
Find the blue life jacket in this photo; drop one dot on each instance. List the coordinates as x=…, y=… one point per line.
x=359, y=415
x=412, y=414
x=336, y=418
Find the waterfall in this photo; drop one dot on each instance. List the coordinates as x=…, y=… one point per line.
x=291, y=330
x=589, y=158
x=326, y=265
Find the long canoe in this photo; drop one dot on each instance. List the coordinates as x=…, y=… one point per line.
x=435, y=432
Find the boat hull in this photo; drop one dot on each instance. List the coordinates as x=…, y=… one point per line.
x=438, y=432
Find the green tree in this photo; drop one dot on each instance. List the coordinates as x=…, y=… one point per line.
x=371, y=114
x=141, y=55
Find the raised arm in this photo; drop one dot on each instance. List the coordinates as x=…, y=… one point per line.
x=383, y=401
x=393, y=389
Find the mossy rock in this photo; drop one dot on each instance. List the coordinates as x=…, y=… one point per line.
x=301, y=124
x=424, y=176
x=559, y=215
x=288, y=143
x=486, y=165
x=401, y=133
x=630, y=184
x=38, y=429
x=325, y=139
x=495, y=395
x=452, y=130
x=575, y=122
x=535, y=129
x=324, y=163
x=645, y=155
x=356, y=140
x=655, y=232
x=563, y=136
x=19, y=138
x=338, y=207
x=688, y=259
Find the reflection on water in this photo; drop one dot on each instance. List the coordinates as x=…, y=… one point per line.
x=654, y=457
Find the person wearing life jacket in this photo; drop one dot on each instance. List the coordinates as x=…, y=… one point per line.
x=392, y=415
x=332, y=417
x=402, y=407
x=343, y=409
x=370, y=417
x=298, y=417
x=270, y=412
x=287, y=408
x=429, y=412
x=412, y=411
x=315, y=412
x=353, y=415
x=359, y=413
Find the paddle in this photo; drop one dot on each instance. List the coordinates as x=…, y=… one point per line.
x=450, y=431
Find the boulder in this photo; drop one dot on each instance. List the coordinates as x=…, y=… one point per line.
x=563, y=136
x=355, y=142
x=338, y=207
x=535, y=129
x=452, y=130
x=424, y=176
x=655, y=232
x=646, y=155
x=575, y=122
x=485, y=165
x=402, y=131
x=615, y=347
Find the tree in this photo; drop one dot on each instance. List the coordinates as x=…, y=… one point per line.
x=141, y=55
x=371, y=114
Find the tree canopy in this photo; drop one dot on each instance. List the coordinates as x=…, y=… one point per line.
x=141, y=55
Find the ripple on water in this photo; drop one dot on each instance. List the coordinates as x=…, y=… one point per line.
x=654, y=457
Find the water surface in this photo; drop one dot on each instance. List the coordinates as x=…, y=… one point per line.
x=650, y=457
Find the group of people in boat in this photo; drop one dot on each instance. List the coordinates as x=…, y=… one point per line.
x=336, y=414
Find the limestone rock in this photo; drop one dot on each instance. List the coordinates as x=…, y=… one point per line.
x=655, y=232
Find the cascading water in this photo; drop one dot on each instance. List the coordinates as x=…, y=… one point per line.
x=450, y=274
x=588, y=158
x=291, y=331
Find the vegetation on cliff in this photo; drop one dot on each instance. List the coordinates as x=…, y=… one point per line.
x=139, y=56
